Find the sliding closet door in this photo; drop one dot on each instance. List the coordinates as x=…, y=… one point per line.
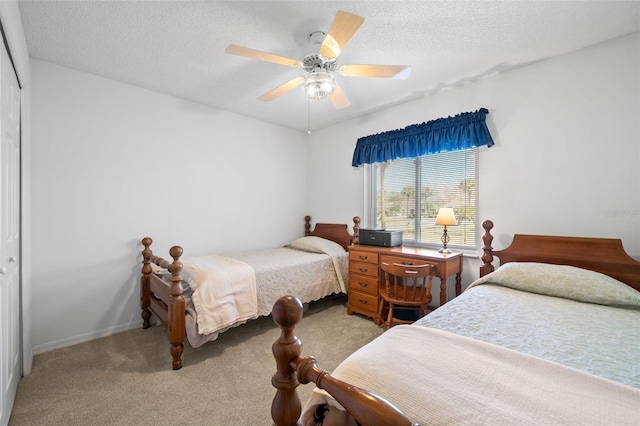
x=10, y=345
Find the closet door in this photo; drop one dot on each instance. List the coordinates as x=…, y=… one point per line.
x=10, y=345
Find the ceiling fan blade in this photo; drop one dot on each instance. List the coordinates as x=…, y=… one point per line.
x=234, y=49
x=282, y=89
x=339, y=99
x=397, y=72
x=343, y=27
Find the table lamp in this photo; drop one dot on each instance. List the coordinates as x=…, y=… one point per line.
x=445, y=217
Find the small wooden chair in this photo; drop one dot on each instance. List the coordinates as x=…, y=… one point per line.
x=406, y=287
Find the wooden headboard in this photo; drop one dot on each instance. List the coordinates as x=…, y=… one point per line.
x=604, y=255
x=334, y=232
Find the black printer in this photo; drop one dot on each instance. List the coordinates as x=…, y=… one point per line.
x=380, y=237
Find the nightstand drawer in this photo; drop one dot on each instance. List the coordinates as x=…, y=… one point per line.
x=368, y=269
x=404, y=261
x=360, y=300
x=363, y=256
x=363, y=283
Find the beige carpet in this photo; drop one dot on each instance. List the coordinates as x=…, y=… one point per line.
x=126, y=379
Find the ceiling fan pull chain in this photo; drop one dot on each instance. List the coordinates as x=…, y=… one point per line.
x=308, y=116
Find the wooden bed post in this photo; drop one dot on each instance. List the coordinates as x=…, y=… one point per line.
x=366, y=407
x=164, y=300
x=286, y=407
x=145, y=292
x=307, y=225
x=487, y=255
x=356, y=231
x=177, y=309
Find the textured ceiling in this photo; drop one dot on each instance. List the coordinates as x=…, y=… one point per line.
x=177, y=47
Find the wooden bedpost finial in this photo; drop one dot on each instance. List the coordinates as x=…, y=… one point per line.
x=176, y=269
x=146, y=255
x=146, y=242
x=487, y=255
x=307, y=225
x=286, y=406
x=356, y=231
x=176, y=252
x=287, y=312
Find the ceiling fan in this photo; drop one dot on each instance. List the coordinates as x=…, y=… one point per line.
x=319, y=83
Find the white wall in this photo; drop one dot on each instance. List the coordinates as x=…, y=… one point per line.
x=567, y=153
x=113, y=163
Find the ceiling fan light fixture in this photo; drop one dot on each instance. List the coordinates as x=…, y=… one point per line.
x=319, y=85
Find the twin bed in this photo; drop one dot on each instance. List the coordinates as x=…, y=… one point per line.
x=550, y=337
x=199, y=297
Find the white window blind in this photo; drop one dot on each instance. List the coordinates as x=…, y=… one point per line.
x=407, y=193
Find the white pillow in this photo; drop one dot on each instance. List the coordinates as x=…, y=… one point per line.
x=564, y=281
x=315, y=245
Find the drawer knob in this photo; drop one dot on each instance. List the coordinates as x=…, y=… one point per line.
x=364, y=257
x=364, y=269
x=364, y=302
x=363, y=284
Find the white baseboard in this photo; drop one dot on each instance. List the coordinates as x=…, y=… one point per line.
x=74, y=340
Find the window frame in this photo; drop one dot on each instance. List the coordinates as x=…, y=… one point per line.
x=371, y=203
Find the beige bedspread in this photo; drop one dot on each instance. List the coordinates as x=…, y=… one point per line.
x=309, y=268
x=224, y=291
x=441, y=378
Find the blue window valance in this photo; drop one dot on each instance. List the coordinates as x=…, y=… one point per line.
x=463, y=131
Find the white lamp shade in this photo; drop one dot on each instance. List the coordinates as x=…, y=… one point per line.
x=446, y=217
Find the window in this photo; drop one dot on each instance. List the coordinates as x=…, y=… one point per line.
x=405, y=195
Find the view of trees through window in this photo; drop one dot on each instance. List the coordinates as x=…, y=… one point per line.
x=408, y=192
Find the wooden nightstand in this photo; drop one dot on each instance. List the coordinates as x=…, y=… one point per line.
x=365, y=274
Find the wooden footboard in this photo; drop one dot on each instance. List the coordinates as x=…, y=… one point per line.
x=291, y=370
x=163, y=298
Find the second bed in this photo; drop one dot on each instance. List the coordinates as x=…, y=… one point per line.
x=199, y=297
